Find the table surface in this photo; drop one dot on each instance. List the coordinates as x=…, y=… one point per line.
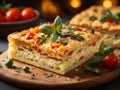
x=113, y=85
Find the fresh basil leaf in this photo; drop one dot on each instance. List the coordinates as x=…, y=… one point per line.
x=108, y=50
x=78, y=37
x=54, y=37
x=108, y=13
x=46, y=29
x=102, y=17
x=101, y=48
x=58, y=22
x=97, y=59
x=118, y=14
x=66, y=32
x=64, y=40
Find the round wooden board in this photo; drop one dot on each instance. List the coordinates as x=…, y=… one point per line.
x=36, y=78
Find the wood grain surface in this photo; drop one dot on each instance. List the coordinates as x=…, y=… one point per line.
x=36, y=78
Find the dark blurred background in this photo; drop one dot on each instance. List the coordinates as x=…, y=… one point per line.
x=49, y=9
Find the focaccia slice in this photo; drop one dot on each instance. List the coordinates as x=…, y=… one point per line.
x=106, y=21
x=60, y=56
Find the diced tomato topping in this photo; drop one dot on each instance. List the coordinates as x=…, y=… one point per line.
x=114, y=23
x=70, y=53
x=94, y=44
x=29, y=36
x=56, y=45
x=52, y=25
x=38, y=49
x=81, y=57
x=79, y=29
x=35, y=30
x=37, y=43
x=109, y=20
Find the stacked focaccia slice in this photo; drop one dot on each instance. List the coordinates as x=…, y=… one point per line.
x=106, y=21
x=55, y=47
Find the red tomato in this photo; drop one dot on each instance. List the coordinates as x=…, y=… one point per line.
x=110, y=61
x=56, y=45
x=2, y=19
x=110, y=20
x=13, y=14
x=3, y=11
x=28, y=13
x=30, y=36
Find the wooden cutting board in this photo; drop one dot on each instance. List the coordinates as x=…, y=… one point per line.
x=36, y=78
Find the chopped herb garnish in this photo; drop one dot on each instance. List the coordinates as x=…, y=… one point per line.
x=18, y=70
x=1, y=51
x=26, y=68
x=72, y=28
x=33, y=78
x=9, y=63
x=48, y=74
x=78, y=37
x=42, y=38
x=92, y=18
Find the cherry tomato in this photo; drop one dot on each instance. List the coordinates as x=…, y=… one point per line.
x=13, y=14
x=28, y=13
x=2, y=19
x=110, y=61
x=3, y=11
